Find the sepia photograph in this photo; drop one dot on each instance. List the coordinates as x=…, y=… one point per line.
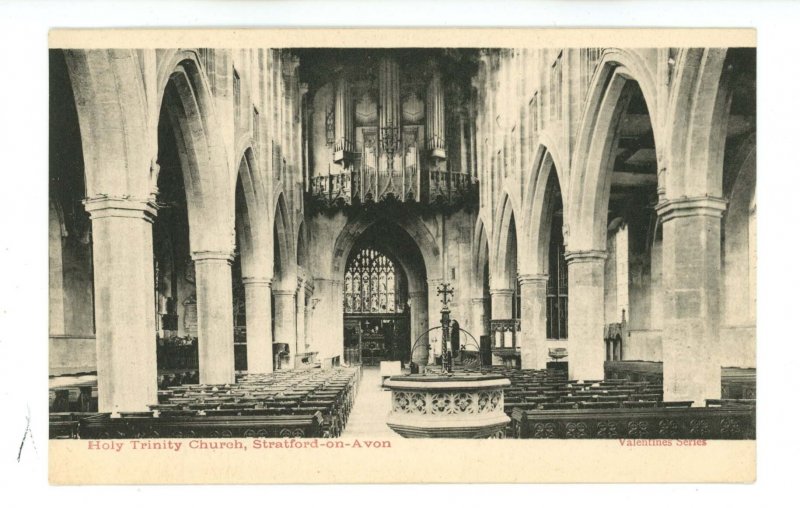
x=317, y=247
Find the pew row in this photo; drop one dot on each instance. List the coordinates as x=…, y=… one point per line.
x=636, y=423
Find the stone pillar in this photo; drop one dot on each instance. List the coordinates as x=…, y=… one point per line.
x=258, y=301
x=691, y=282
x=125, y=320
x=533, y=342
x=300, y=315
x=214, y=316
x=308, y=292
x=285, y=322
x=418, y=300
x=327, y=327
x=478, y=318
x=585, y=317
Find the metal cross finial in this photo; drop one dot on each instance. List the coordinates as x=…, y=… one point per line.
x=445, y=290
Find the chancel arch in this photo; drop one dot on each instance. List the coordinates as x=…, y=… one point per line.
x=385, y=297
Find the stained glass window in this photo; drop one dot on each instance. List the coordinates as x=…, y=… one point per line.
x=370, y=284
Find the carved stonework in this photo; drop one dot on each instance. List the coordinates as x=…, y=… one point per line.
x=468, y=406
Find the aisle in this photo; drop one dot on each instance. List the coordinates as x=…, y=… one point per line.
x=368, y=418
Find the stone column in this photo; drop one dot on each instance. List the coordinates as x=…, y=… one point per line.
x=533, y=342
x=691, y=282
x=327, y=327
x=585, y=317
x=214, y=316
x=258, y=301
x=478, y=318
x=418, y=300
x=308, y=292
x=125, y=320
x=285, y=323
x=300, y=315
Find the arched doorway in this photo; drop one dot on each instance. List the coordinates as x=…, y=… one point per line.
x=383, y=285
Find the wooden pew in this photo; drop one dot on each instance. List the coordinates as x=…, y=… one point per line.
x=636, y=423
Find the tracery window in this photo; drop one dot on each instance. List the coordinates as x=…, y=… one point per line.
x=370, y=284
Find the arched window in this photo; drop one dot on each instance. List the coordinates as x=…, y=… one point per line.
x=370, y=284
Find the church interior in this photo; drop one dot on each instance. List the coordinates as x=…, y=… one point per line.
x=243, y=241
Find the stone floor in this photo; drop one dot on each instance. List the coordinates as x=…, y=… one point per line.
x=368, y=417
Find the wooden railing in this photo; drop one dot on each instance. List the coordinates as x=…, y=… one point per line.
x=504, y=333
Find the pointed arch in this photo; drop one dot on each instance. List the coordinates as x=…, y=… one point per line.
x=545, y=199
x=589, y=187
x=302, y=246
x=252, y=220
x=412, y=224
x=698, y=116
x=480, y=250
x=201, y=149
x=112, y=113
x=504, y=250
x=283, y=245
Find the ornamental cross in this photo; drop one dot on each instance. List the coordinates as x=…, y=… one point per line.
x=445, y=290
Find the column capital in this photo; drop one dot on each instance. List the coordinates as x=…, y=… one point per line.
x=533, y=278
x=257, y=281
x=501, y=291
x=584, y=256
x=103, y=206
x=478, y=300
x=691, y=207
x=201, y=256
x=283, y=292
